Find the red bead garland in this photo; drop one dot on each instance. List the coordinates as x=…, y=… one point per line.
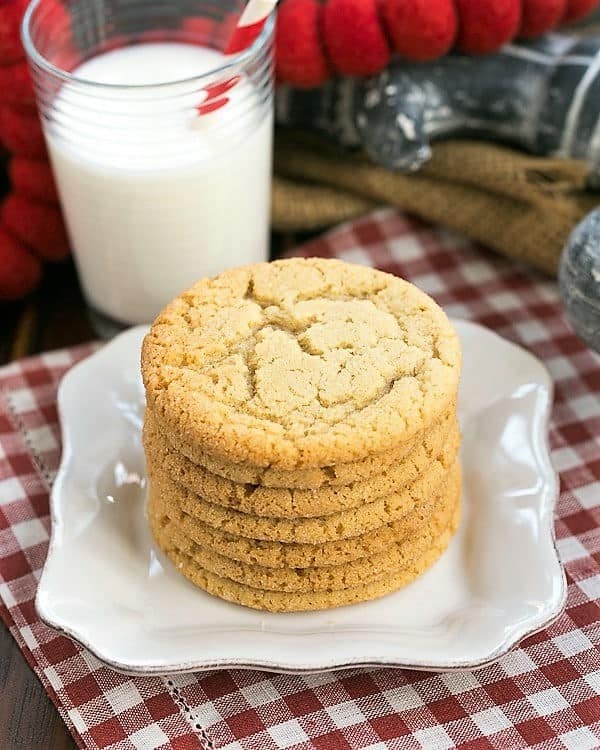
x=357, y=37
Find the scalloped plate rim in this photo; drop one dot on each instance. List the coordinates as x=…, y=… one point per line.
x=506, y=646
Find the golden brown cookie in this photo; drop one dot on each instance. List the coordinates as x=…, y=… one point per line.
x=397, y=556
x=315, y=477
x=299, y=363
x=293, y=555
x=293, y=503
x=281, y=601
x=339, y=525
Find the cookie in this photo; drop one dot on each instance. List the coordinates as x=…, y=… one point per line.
x=299, y=363
x=293, y=503
x=281, y=601
x=397, y=556
x=309, y=478
x=339, y=525
x=293, y=555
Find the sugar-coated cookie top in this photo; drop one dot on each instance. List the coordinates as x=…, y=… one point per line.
x=301, y=362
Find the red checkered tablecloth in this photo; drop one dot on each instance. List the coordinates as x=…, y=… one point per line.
x=545, y=694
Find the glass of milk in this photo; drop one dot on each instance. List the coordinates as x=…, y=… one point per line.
x=161, y=145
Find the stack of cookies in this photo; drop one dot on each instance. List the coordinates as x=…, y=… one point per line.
x=301, y=434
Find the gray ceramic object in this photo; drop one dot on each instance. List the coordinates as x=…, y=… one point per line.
x=579, y=278
x=542, y=96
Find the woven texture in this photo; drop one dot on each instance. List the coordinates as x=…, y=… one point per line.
x=546, y=694
x=522, y=206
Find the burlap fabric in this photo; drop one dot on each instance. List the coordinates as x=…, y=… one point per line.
x=522, y=206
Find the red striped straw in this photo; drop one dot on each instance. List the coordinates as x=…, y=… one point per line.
x=247, y=30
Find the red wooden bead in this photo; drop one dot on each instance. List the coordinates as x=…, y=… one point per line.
x=420, y=29
x=485, y=25
x=354, y=38
x=20, y=272
x=300, y=57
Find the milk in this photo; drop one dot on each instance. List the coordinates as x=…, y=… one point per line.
x=156, y=196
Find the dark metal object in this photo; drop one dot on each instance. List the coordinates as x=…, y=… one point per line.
x=579, y=279
x=542, y=96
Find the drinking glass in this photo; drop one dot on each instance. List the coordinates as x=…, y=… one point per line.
x=161, y=181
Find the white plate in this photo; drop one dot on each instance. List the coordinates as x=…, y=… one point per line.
x=106, y=586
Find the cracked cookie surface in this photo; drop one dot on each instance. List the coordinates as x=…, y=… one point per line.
x=307, y=478
x=299, y=363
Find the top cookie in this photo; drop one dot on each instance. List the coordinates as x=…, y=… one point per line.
x=299, y=363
